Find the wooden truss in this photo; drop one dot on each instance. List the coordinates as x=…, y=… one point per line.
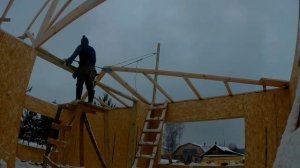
x=119, y=96
x=53, y=21
x=3, y=17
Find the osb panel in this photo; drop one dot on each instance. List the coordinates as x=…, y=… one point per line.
x=40, y=106
x=119, y=122
x=212, y=109
x=265, y=115
x=29, y=153
x=15, y=68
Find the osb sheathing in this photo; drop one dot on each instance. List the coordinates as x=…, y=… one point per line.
x=112, y=130
x=296, y=65
x=265, y=115
x=16, y=64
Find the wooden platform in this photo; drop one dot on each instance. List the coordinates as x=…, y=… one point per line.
x=83, y=106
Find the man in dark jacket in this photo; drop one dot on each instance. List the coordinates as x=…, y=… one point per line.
x=86, y=72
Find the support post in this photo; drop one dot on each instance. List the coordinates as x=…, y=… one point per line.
x=81, y=141
x=155, y=76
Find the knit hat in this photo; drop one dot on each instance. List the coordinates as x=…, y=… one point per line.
x=84, y=40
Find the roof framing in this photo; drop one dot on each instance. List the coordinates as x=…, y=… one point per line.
x=120, y=96
x=53, y=22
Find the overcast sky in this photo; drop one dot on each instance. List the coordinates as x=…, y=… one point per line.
x=237, y=38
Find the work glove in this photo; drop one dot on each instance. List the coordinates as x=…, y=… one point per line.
x=67, y=61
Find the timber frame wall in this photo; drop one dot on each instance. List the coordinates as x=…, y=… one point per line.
x=117, y=131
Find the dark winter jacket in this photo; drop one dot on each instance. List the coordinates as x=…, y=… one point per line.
x=87, y=55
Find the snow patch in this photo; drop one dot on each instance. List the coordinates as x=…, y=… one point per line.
x=3, y=164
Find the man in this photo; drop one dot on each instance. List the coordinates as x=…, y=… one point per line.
x=86, y=72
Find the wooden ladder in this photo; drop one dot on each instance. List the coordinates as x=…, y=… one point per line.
x=57, y=139
x=150, y=138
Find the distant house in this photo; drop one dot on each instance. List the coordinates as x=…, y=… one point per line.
x=189, y=152
x=221, y=156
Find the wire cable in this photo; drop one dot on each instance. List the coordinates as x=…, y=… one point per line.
x=146, y=55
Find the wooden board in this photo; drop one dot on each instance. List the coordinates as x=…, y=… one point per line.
x=16, y=64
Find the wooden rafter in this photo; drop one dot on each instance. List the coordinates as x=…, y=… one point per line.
x=66, y=20
x=37, y=15
x=115, y=97
x=192, y=87
x=228, y=88
x=102, y=102
x=105, y=87
x=4, y=20
x=46, y=20
x=67, y=3
x=3, y=17
x=54, y=60
x=275, y=83
x=158, y=87
x=128, y=87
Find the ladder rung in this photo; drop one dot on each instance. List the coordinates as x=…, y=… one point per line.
x=160, y=118
x=60, y=144
x=155, y=143
x=50, y=162
x=158, y=107
x=61, y=126
x=146, y=156
x=157, y=130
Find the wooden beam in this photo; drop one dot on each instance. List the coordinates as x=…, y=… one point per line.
x=67, y=3
x=196, y=76
x=156, y=75
x=3, y=17
x=37, y=15
x=228, y=88
x=54, y=60
x=93, y=140
x=158, y=87
x=98, y=78
x=132, y=138
x=102, y=102
x=40, y=106
x=70, y=17
x=128, y=87
x=105, y=87
x=4, y=20
x=46, y=21
x=192, y=87
x=106, y=139
x=81, y=142
x=116, y=98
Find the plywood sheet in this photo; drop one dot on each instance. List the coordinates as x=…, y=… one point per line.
x=16, y=64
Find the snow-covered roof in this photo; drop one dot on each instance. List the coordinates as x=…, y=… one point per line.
x=226, y=151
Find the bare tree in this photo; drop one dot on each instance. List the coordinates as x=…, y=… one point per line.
x=172, y=136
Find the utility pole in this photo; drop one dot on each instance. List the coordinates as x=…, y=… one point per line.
x=155, y=76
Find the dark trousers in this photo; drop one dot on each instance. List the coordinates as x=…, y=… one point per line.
x=84, y=75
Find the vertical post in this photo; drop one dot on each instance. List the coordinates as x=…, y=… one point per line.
x=132, y=136
x=155, y=76
x=81, y=141
x=106, y=139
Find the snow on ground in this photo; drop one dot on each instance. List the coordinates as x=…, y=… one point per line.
x=289, y=150
x=23, y=164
